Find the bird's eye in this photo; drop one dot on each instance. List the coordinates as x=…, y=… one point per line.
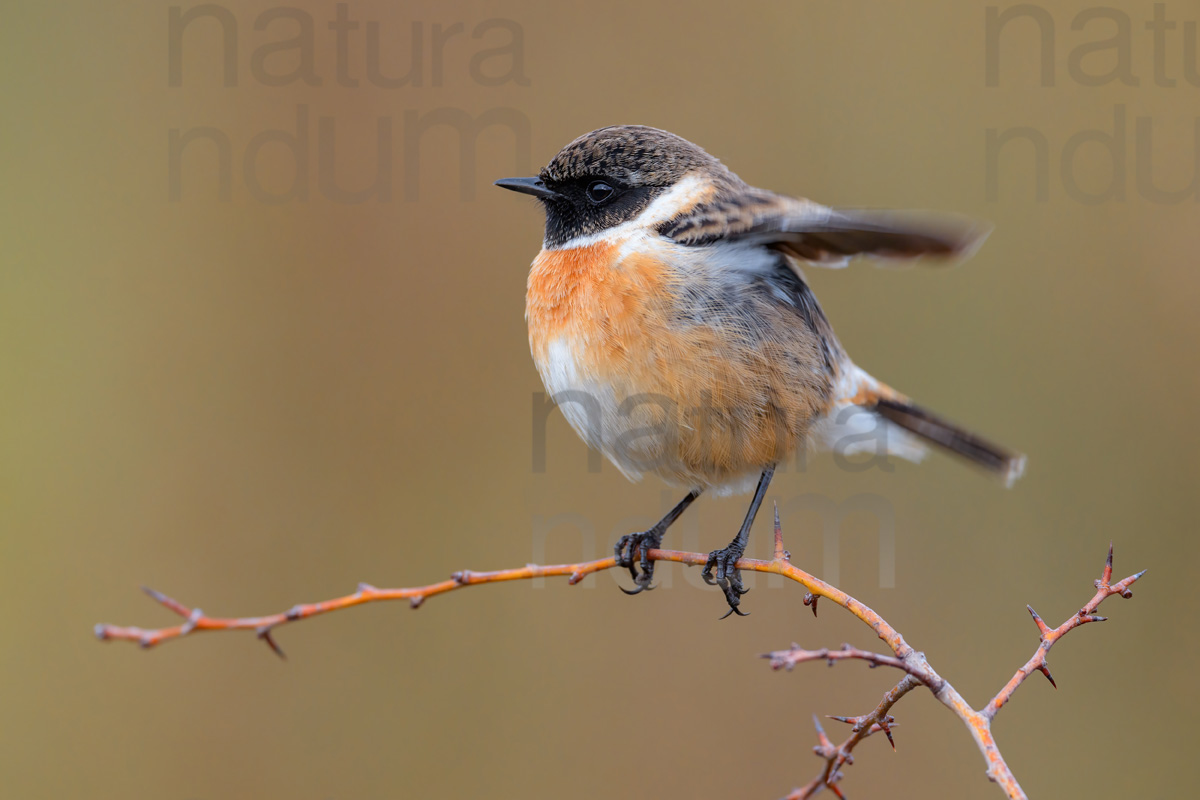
x=600, y=192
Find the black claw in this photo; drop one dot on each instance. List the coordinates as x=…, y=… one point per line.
x=633, y=543
x=733, y=599
x=728, y=577
x=641, y=584
x=645, y=542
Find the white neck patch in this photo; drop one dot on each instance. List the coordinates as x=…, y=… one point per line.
x=687, y=192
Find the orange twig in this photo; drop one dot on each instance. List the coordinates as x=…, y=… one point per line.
x=978, y=722
x=903, y=657
x=1048, y=636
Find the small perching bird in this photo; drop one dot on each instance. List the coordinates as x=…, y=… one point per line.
x=669, y=319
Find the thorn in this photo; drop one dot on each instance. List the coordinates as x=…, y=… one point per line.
x=416, y=600
x=1043, y=628
x=366, y=588
x=847, y=720
x=810, y=599
x=264, y=633
x=462, y=577
x=888, y=733
x=1092, y=618
x=169, y=602
x=294, y=613
x=824, y=746
x=158, y=597
x=575, y=578
x=780, y=553
x=1045, y=670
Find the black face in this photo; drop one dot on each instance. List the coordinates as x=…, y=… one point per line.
x=590, y=204
x=607, y=177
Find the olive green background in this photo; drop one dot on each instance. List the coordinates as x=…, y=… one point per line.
x=249, y=405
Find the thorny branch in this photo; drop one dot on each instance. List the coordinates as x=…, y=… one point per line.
x=917, y=670
x=863, y=726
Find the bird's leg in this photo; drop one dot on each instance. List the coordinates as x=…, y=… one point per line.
x=729, y=577
x=646, y=541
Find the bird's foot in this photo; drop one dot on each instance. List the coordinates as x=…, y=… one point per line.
x=624, y=551
x=728, y=576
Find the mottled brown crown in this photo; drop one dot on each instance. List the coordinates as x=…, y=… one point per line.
x=636, y=155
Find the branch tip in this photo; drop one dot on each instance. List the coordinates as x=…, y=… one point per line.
x=1123, y=586
x=824, y=747
x=158, y=596
x=1043, y=628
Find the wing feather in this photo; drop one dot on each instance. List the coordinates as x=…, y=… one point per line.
x=822, y=235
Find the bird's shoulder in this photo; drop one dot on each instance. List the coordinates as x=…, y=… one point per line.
x=735, y=210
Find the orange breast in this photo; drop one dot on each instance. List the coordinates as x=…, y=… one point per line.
x=585, y=296
x=726, y=393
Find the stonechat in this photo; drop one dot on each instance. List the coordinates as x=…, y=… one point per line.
x=669, y=319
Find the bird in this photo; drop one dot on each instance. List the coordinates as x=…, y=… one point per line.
x=670, y=320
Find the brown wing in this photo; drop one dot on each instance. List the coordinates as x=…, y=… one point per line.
x=822, y=235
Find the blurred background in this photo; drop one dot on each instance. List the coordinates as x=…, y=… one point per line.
x=261, y=338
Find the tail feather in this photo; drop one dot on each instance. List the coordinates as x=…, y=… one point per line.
x=998, y=460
